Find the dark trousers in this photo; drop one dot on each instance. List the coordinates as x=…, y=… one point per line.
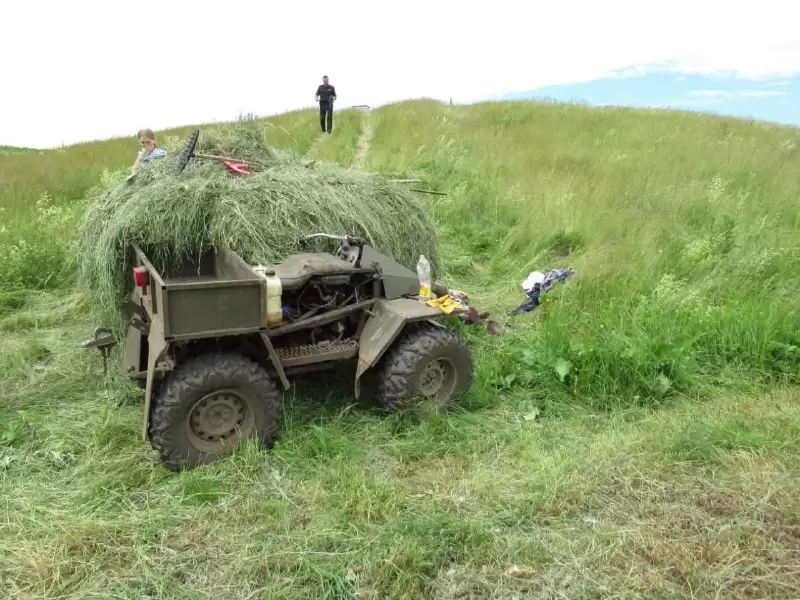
x=326, y=109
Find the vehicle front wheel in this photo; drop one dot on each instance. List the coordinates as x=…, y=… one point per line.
x=208, y=405
x=425, y=370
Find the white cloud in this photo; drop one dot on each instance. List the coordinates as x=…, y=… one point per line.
x=87, y=69
x=731, y=94
x=694, y=103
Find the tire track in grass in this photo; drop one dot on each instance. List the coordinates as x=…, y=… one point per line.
x=312, y=149
x=364, y=142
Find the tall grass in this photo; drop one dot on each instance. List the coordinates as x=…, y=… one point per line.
x=681, y=227
x=67, y=174
x=627, y=439
x=340, y=148
x=9, y=150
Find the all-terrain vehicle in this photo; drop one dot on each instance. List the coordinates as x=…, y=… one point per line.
x=213, y=342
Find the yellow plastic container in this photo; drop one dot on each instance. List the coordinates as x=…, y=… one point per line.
x=274, y=295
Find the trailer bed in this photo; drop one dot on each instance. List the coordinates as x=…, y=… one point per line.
x=214, y=294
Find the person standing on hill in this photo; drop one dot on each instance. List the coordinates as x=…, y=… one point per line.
x=326, y=94
x=149, y=149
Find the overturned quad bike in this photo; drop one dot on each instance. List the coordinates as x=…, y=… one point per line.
x=214, y=342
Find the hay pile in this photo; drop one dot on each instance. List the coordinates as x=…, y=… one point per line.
x=262, y=217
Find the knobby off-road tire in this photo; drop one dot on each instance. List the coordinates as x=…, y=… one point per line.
x=187, y=152
x=208, y=405
x=424, y=355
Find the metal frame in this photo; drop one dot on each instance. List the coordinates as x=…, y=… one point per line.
x=383, y=317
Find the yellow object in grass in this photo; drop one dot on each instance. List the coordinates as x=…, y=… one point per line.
x=446, y=304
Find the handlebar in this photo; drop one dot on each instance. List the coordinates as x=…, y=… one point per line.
x=342, y=239
x=349, y=248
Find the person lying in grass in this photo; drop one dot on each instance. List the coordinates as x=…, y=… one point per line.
x=149, y=149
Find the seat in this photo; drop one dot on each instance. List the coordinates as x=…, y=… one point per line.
x=296, y=270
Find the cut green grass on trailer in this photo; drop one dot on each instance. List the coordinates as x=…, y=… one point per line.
x=262, y=217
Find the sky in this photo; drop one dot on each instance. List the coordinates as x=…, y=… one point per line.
x=85, y=69
x=775, y=99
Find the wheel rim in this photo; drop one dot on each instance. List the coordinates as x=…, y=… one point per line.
x=219, y=420
x=437, y=383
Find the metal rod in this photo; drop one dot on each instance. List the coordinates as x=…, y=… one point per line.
x=429, y=192
x=328, y=317
x=215, y=157
x=276, y=362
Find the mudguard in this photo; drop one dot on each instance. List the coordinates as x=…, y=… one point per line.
x=157, y=347
x=385, y=323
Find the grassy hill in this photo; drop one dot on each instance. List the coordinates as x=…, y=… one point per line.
x=662, y=459
x=9, y=150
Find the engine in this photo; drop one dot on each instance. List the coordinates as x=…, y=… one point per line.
x=324, y=294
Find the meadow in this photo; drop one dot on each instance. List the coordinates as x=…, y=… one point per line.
x=635, y=436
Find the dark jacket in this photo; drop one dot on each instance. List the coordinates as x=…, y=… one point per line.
x=325, y=93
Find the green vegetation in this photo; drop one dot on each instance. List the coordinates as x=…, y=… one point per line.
x=9, y=150
x=636, y=436
x=341, y=147
x=261, y=217
x=66, y=174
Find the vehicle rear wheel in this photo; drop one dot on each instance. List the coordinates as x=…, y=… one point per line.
x=208, y=405
x=425, y=370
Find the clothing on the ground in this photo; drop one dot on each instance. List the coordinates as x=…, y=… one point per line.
x=325, y=93
x=156, y=153
x=536, y=283
x=326, y=116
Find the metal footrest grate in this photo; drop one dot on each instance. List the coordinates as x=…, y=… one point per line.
x=293, y=356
